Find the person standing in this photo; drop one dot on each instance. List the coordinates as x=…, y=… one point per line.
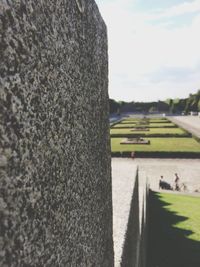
x=161, y=182
x=177, y=182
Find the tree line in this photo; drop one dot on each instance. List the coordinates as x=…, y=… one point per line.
x=173, y=106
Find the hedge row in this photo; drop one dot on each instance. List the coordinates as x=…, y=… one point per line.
x=146, y=126
x=130, y=135
x=155, y=154
x=114, y=123
x=196, y=138
x=148, y=122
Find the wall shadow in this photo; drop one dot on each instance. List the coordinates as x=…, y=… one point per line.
x=130, y=249
x=168, y=246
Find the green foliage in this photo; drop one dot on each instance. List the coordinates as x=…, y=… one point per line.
x=177, y=105
x=152, y=109
x=151, y=131
x=192, y=102
x=151, y=125
x=141, y=107
x=173, y=108
x=114, y=106
x=198, y=106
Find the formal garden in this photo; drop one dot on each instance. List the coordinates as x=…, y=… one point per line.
x=152, y=137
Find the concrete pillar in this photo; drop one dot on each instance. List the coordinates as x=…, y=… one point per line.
x=55, y=179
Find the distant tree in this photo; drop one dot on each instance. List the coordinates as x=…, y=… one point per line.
x=152, y=109
x=191, y=103
x=170, y=105
x=187, y=106
x=162, y=106
x=199, y=106
x=114, y=106
x=177, y=106
x=182, y=104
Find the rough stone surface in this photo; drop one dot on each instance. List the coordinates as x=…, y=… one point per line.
x=55, y=185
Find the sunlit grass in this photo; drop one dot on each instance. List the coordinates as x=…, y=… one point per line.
x=185, y=206
x=151, y=131
x=122, y=125
x=150, y=120
x=173, y=230
x=159, y=144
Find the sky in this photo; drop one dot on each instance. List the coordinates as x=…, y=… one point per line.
x=154, y=48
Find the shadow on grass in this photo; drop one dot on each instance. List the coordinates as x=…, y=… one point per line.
x=167, y=245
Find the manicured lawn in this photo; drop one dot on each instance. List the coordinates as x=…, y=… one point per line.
x=149, y=125
x=128, y=122
x=173, y=230
x=158, y=118
x=164, y=136
x=151, y=131
x=188, y=207
x=159, y=121
x=150, y=120
x=159, y=144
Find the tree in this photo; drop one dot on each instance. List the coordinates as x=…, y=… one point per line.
x=152, y=109
x=114, y=106
x=199, y=106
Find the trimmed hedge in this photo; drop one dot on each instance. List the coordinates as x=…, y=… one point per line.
x=148, y=121
x=115, y=122
x=155, y=154
x=131, y=122
x=196, y=138
x=166, y=121
x=129, y=135
x=147, y=126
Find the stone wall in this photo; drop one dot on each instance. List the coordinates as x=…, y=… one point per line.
x=130, y=213
x=135, y=239
x=131, y=239
x=55, y=181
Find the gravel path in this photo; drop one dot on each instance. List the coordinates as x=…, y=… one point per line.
x=189, y=123
x=187, y=169
x=123, y=172
x=123, y=180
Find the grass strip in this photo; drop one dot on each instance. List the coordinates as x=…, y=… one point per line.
x=159, y=144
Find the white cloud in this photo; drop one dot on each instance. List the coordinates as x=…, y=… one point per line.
x=138, y=49
x=177, y=10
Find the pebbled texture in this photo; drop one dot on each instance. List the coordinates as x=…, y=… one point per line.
x=55, y=181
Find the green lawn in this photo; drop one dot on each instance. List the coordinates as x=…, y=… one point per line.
x=188, y=207
x=159, y=144
x=151, y=131
x=128, y=122
x=122, y=125
x=173, y=230
x=156, y=118
x=151, y=120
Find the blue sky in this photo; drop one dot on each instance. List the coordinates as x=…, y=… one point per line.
x=154, y=48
